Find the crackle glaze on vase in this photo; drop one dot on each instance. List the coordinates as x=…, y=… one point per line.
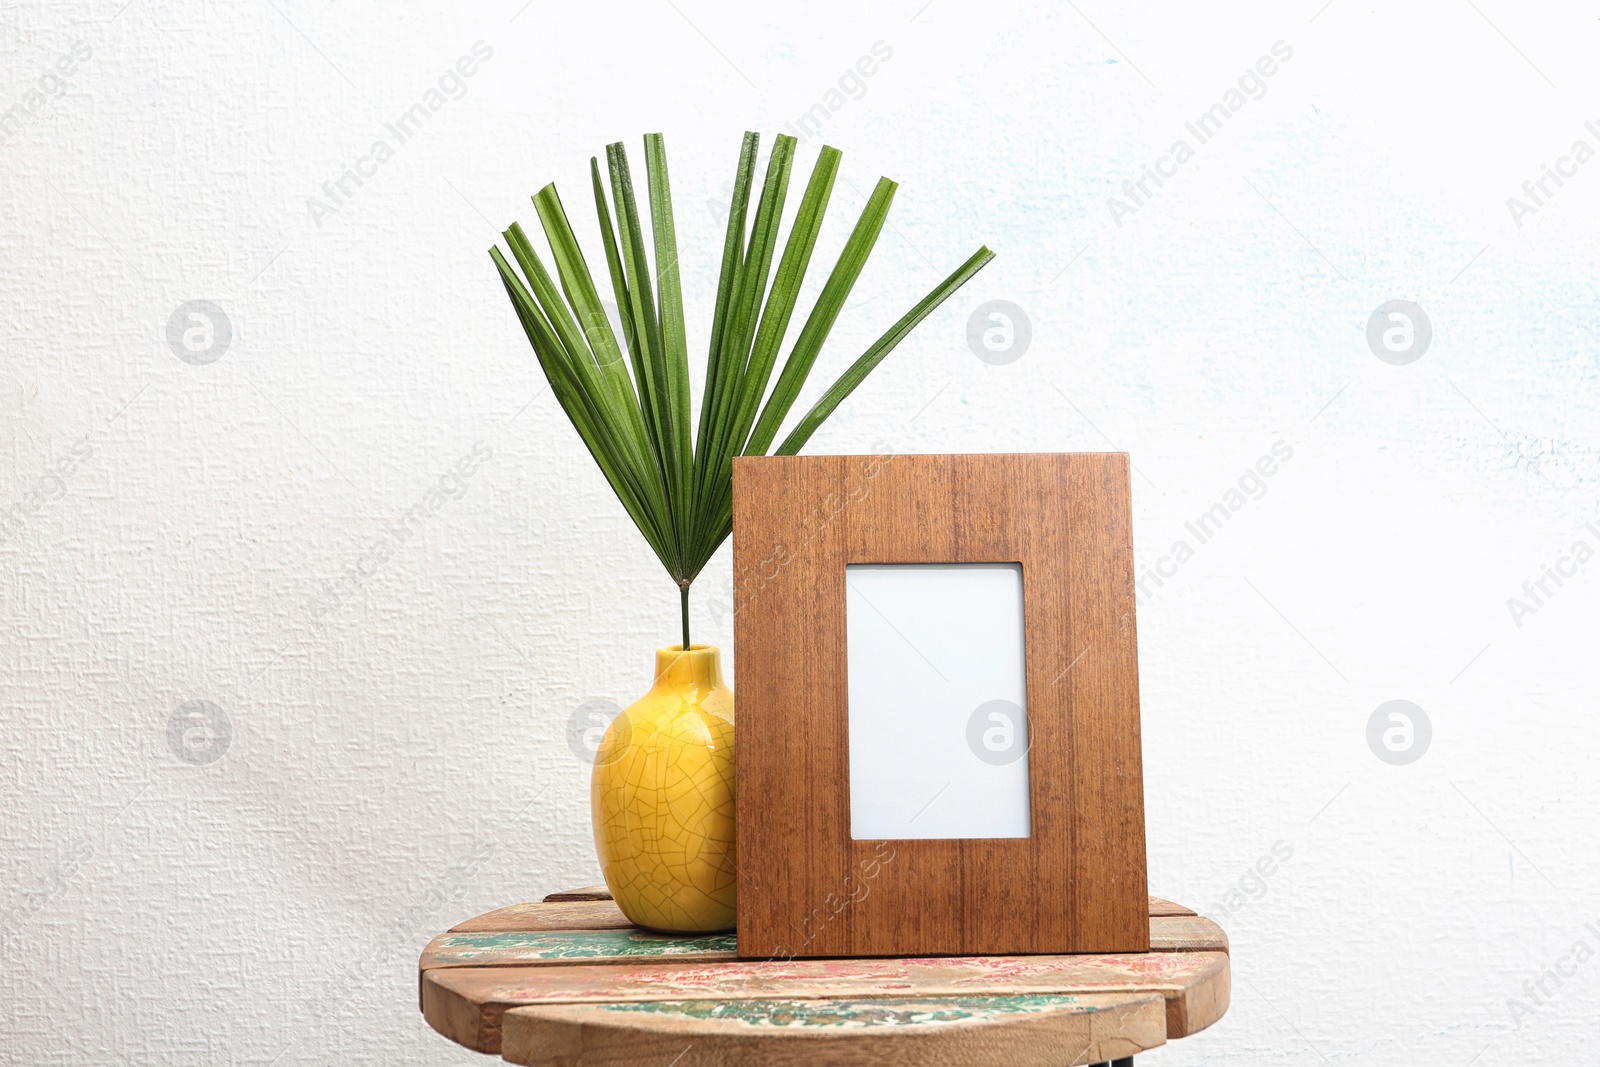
x=662, y=798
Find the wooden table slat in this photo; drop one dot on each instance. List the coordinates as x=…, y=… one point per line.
x=468, y=1003
x=1030, y=1030
x=502, y=948
x=600, y=892
x=1167, y=907
x=584, y=909
x=588, y=892
x=558, y=915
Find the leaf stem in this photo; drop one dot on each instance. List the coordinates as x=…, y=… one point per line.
x=683, y=590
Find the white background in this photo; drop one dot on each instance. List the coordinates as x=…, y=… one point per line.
x=404, y=761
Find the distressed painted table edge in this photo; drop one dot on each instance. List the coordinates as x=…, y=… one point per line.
x=1022, y=1031
x=516, y=945
x=460, y=1004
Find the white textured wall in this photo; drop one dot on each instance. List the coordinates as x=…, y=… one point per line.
x=397, y=754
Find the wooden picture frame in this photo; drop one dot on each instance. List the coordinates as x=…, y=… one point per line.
x=806, y=888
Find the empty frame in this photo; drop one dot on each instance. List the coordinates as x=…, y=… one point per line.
x=938, y=708
x=848, y=729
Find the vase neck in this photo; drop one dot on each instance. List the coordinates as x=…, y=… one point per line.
x=699, y=668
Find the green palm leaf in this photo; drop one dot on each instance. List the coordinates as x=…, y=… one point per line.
x=676, y=487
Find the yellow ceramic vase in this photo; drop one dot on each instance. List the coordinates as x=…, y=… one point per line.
x=662, y=796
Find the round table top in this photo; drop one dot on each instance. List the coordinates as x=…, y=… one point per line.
x=569, y=981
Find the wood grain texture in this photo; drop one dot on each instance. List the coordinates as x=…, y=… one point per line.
x=568, y=915
x=805, y=887
x=1167, y=907
x=467, y=1004
x=509, y=948
x=1186, y=933
x=588, y=892
x=516, y=948
x=1032, y=1030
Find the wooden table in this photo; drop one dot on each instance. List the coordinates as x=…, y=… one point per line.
x=569, y=982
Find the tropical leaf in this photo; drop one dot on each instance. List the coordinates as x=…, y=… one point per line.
x=633, y=410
